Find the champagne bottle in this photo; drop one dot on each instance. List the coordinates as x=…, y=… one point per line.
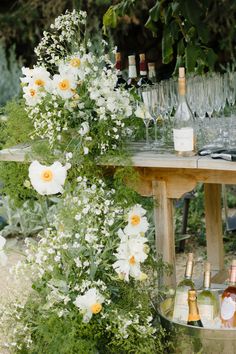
x=144, y=80
x=207, y=302
x=180, y=312
x=228, y=299
x=120, y=80
x=152, y=73
x=183, y=132
x=132, y=80
x=193, y=314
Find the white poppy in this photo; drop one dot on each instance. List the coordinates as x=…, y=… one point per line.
x=38, y=77
x=32, y=95
x=48, y=180
x=64, y=85
x=72, y=66
x=3, y=257
x=137, y=222
x=90, y=303
x=130, y=253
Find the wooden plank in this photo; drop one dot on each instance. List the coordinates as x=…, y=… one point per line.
x=214, y=237
x=152, y=159
x=206, y=162
x=164, y=229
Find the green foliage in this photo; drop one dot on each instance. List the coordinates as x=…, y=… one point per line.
x=192, y=33
x=10, y=74
x=18, y=127
x=12, y=176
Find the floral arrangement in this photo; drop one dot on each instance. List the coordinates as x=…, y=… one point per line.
x=93, y=269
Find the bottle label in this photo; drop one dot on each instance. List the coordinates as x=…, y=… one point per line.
x=206, y=312
x=132, y=71
x=227, y=308
x=184, y=139
x=181, y=306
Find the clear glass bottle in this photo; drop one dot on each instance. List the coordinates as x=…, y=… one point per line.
x=183, y=131
x=152, y=73
x=144, y=80
x=228, y=300
x=207, y=302
x=194, y=318
x=133, y=79
x=180, y=312
x=120, y=80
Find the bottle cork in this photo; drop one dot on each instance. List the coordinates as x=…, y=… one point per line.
x=190, y=257
x=131, y=59
x=151, y=65
x=234, y=263
x=207, y=267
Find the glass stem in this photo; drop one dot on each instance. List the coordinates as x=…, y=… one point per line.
x=147, y=136
x=155, y=130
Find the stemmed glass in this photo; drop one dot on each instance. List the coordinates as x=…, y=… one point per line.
x=144, y=109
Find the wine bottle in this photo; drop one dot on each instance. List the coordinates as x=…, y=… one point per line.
x=207, y=302
x=180, y=312
x=193, y=314
x=132, y=80
x=152, y=73
x=228, y=299
x=183, y=132
x=120, y=80
x=144, y=80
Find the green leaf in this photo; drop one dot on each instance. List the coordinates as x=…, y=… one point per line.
x=211, y=58
x=193, y=12
x=151, y=25
x=167, y=48
x=110, y=18
x=181, y=47
x=191, y=56
x=203, y=33
x=154, y=12
x=174, y=29
x=175, y=6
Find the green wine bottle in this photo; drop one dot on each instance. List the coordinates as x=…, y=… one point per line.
x=207, y=302
x=180, y=312
x=193, y=314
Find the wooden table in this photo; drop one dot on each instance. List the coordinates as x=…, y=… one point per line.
x=167, y=177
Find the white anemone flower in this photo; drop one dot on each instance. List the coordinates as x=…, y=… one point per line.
x=32, y=95
x=3, y=257
x=130, y=254
x=90, y=303
x=38, y=76
x=48, y=180
x=72, y=66
x=137, y=222
x=64, y=85
x=84, y=128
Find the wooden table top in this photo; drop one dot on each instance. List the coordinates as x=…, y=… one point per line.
x=140, y=159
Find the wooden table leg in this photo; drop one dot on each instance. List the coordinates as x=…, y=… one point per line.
x=214, y=237
x=164, y=228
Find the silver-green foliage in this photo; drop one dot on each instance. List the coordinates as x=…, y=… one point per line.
x=10, y=69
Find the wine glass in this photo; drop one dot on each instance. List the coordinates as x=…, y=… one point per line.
x=143, y=111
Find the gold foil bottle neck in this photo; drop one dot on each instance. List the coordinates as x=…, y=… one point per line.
x=142, y=57
x=192, y=295
x=118, y=56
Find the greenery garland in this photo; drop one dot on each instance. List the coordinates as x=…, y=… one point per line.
x=94, y=269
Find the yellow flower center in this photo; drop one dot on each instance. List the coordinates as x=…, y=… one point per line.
x=96, y=308
x=75, y=62
x=47, y=175
x=64, y=85
x=32, y=92
x=135, y=220
x=39, y=82
x=132, y=260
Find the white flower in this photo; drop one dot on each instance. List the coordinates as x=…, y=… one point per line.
x=86, y=150
x=72, y=66
x=3, y=257
x=32, y=95
x=48, y=179
x=84, y=128
x=137, y=222
x=64, y=85
x=38, y=77
x=90, y=303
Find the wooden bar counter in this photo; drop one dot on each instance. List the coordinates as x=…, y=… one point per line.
x=167, y=177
